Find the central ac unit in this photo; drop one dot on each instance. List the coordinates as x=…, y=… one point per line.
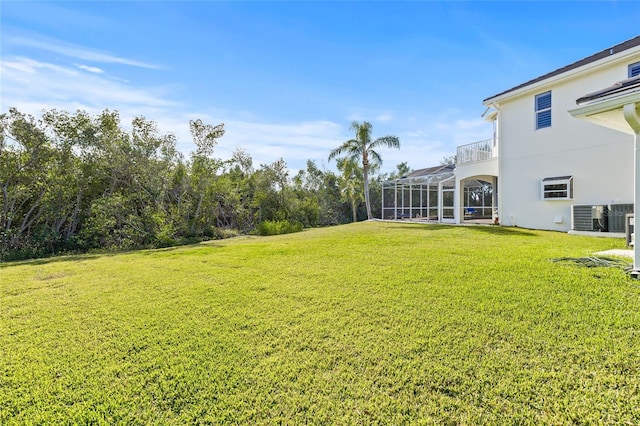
x=616, y=216
x=589, y=217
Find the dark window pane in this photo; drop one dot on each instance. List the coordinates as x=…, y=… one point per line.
x=543, y=119
x=543, y=101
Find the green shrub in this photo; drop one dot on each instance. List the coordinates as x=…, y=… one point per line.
x=223, y=233
x=278, y=227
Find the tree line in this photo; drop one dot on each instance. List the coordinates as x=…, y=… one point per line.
x=75, y=182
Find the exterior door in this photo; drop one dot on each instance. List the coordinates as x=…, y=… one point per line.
x=446, y=200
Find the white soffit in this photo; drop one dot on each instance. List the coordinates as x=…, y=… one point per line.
x=608, y=112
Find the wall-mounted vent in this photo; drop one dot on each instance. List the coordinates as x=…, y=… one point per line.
x=589, y=218
x=557, y=188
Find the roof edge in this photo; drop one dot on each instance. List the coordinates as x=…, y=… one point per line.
x=621, y=87
x=614, y=50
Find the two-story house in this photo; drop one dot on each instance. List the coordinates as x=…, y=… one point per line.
x=549, y=162
x=544, y=168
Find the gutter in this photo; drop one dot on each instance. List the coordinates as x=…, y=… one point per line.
x=624, y=87
x=601, y=104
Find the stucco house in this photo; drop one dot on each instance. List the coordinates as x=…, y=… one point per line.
x=545, y=168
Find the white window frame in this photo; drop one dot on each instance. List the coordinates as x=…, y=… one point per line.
x=540, y=111
x=556, y=188
x=634, y=69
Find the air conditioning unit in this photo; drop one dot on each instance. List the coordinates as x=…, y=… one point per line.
x=616, y=216
x=589, y=217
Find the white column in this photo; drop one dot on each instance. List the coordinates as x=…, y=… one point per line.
x=395, y=201
x=636, y=205
x=494, y=199
x=421, y=206
x=632, y=115
x=456, y=202
x=428, y=199
x=440, y=198
x=382, y=208
x=458, y=198
x=410, y=199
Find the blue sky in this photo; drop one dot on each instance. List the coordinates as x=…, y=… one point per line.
x=287, y=78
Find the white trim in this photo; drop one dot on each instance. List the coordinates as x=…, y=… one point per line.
x=606, y=104
x=542, y=84
x=540, y=111
x=597, y=110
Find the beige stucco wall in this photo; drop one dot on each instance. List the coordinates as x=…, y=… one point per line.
x=600, y=160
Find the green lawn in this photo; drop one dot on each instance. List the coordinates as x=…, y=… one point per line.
x=372, y=323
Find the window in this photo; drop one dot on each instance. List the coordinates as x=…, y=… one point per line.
x=557, y=188
x=634, y=70
x=543, y=110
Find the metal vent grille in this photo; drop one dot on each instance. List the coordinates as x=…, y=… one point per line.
x=584, y=220
x=616, y=216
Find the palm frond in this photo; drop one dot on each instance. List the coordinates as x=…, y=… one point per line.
x=374, y=157
x=335, y=153
x=351, y=148
x=363, y=131
x=593, y=262
x=386, y=141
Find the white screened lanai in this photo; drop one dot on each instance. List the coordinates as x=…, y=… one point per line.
x=427, y=194
x=431, y=193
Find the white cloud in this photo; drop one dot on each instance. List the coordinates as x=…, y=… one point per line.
x=418, y=148
x=30, y=66
x=417, y=156
x=87, y=68
x=78, y=52
x=294, y=142
x=470, y=124
x=28, y=81
x=385, y=117
x=372, y=116
x=32, y=86
x=428, y=138
x=459, y=131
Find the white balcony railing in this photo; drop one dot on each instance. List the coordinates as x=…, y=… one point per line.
x=476, y=151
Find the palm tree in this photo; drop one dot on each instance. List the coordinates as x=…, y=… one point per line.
x=362, y=148
x=350, y=182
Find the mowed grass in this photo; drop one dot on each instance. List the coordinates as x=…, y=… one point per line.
x=371, y=323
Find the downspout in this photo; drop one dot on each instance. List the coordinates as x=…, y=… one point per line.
x=497, y=196
x=632, y=116
x=458, y=194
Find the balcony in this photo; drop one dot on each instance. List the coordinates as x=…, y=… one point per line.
x=476, y=151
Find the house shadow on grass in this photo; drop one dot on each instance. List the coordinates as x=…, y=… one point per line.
x=429, y=227
x=80, y=257
x=488, y=229
x=55, y=259
x=502, y=230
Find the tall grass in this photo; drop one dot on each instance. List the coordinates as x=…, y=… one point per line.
x=371, y=323
x=277, y=227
